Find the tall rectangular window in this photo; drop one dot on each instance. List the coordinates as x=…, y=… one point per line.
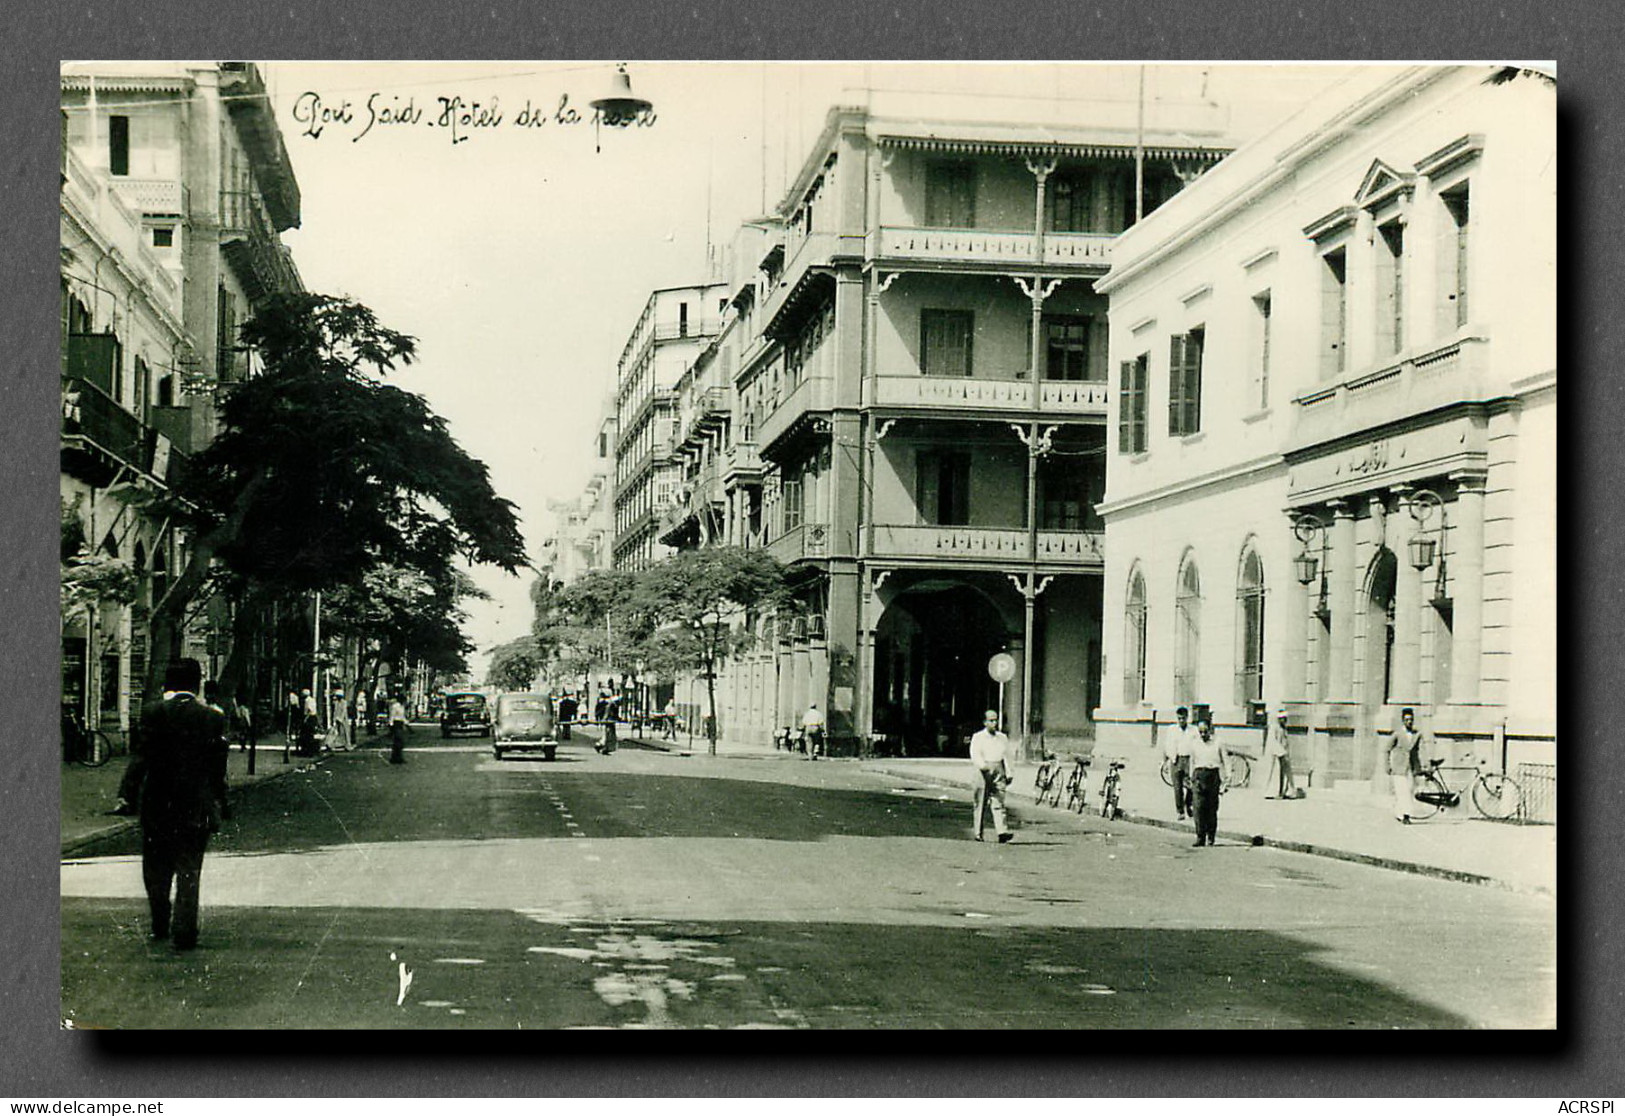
x=1132, y=406
x=942, y=487
x=682, y=319
x=1185, y=383
x=1334, y=306
x=1391, y=287
x=1067, y=497
x=1068, y=348
x=790, y=503
x=945, y=342
x=118, y=145
x=950, y=196
x=1453, y=256
x=1071, y=201
x=1259, y=382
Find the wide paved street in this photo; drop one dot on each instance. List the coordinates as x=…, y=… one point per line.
x=647, y=889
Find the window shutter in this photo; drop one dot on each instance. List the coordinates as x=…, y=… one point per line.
x=926, y=467
x=1125, y=408
x=1193, y=382
x=1176, y=384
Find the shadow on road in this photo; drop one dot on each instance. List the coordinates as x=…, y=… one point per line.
x=501, y=969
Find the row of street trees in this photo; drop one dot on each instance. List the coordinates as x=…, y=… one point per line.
x=323, y=477
x=687, y=613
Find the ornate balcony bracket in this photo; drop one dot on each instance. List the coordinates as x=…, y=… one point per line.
x=1025, y=586
x=1037, y=290
x=1040, y=446
x=877, y=579
x=884, y=428
x=1041, y=168
x=887, y=280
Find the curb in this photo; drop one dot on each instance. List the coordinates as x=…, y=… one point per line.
x=1370, y=860
x=84, y=844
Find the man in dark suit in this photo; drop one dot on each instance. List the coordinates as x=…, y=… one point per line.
x=181, y=751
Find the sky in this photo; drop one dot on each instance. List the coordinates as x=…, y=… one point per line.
x=520, y=254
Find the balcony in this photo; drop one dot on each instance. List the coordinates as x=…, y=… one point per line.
x=1071, y=397
x=809, y=397
x=741, y=465
x=91, y=418
x=252, y=247
x=809, y=540
x=706, y=409
x=692, y=330
x=817, y=250
x=990, y=247
x=997, y=545
x=1412, y=385
x=158, y=196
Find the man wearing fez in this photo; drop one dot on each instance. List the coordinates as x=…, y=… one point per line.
x=181, y=752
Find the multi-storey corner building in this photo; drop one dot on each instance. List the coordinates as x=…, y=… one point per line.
x=1332, y=483
x=921, y=377
x=676, y=325
x=175, y=184
x=583, y=528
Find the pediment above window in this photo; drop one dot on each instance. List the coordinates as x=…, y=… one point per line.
x=1383, y=184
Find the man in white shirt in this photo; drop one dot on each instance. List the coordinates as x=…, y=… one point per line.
x=990, y=755
x=812, y=731
x=1178, y=749
x=397, y=729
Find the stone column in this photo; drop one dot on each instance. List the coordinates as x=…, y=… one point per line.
x=1408, y=596
x=1341, y=577
x=1466, y=571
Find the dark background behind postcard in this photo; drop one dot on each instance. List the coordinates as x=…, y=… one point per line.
x=37, y=1060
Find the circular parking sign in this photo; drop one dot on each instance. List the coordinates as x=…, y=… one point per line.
x=1001, y=667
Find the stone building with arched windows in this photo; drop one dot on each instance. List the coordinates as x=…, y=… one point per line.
x=1350, y=326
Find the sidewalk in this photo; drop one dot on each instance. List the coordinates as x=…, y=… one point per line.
x=1346, y=825
x=88, y=793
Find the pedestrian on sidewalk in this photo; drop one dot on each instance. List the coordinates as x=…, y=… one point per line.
x=307, y=723
x=397, y=728
x=1208, y=762
x=1277, y=751
x=1405, y=764
x=291, y=729
x=181, y=749
x=1181, y=743
x=671, y=719
x=812, y=731
x=990, y=755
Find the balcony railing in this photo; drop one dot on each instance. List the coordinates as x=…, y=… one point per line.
x=90, y=414
x=741, y=461
x=814, y=394
x=983, y=544
x=1411, y=385
x=809, y=540
x=153, y=195
x=252, y=247
x=991, y=246
x=969, y=392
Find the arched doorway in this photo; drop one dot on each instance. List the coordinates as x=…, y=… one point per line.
x=931, y=684
x=1379, y=627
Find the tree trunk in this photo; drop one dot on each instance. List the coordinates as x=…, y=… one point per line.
x=711, y=702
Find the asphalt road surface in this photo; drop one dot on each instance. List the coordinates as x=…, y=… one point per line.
x=652, y=890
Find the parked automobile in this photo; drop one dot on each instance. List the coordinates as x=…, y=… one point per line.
x=465, y=711
x=524, y=722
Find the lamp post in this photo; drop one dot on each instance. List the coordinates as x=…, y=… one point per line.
x=1307, y=528
x=1422, y=548
x=618, y=107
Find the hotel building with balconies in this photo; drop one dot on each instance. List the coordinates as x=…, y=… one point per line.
x=175, y=184
x=921, y=380
x=1332, y=483
x=676, y=325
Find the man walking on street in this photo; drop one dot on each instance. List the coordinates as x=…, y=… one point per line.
x=1208, y=763
x=990, y=755
x=397, y=729
x=1179, y=747
x=1404, y=764
x=181, y=750
x=812, y=731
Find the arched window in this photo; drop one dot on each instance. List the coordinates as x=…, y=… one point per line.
x=1187, y=633
x=1134, y=641
x=1250, y=629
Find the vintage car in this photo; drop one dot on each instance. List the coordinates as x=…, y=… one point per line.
x=465, y=711
x=524, y=722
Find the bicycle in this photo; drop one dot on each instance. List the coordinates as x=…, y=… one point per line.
x=1047, y=781
x=1495, y=794
x=1077, y=784
x=1241, y=771
x=1109, y=788
x=89, y=747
